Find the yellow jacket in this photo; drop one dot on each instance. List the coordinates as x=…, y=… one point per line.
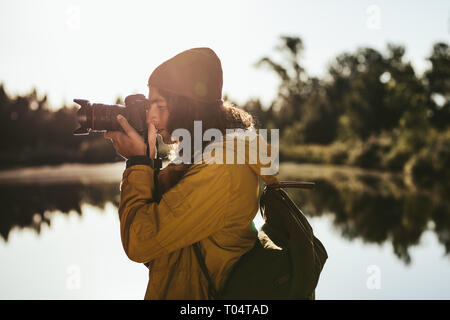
x=213, y=203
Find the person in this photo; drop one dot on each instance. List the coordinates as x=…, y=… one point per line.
x=212, y=204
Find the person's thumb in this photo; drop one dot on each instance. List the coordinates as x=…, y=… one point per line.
x=152, y=140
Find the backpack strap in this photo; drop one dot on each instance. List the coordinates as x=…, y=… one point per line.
x=282, y=184
x=211, y=288
x=292, y=184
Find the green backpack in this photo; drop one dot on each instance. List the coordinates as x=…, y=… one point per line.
x=285, y=262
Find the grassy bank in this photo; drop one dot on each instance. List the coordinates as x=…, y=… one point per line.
x=425, y=165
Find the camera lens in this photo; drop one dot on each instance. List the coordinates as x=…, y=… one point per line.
x=99, y=117
x=104, y=116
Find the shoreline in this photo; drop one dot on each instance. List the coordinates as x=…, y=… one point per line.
x=64, y=173
x=112, y=172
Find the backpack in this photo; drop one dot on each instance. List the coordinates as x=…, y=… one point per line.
x=286, y=260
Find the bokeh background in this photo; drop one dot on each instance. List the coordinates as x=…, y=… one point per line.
x=359, y=90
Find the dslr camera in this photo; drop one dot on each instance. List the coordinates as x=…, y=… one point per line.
x=99, y=117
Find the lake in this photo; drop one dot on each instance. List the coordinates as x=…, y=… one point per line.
x=60, y=239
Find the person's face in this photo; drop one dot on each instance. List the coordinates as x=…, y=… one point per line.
x=158, y=114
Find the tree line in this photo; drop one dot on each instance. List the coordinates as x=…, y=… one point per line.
x=371, y=109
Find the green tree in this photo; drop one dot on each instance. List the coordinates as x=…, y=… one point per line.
x=438, y=81
x=301, y=110
x=372, y=92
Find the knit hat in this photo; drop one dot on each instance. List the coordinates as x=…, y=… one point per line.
x=195, y=73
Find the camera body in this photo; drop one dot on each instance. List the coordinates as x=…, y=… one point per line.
x=98, y=117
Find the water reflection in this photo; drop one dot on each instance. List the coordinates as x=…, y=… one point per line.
x=28, y=205
x=375, y=207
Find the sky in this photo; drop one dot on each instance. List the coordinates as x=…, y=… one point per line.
x=99, y=50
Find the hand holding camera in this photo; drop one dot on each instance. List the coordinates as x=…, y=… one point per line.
x=130, y=143
x=125, y=125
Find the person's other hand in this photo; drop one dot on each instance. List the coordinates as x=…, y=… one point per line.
x=130, y=143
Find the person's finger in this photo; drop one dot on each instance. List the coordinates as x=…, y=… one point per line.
x=112, y=134
x=129, y=130
x=116, y=138
x=152, y=136
x=152, y=140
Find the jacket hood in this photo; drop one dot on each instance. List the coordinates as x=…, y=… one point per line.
x=245, y=147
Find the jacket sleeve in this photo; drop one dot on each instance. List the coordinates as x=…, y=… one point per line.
x=190, y=211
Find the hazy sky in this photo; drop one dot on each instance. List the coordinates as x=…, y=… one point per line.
x=101, y=49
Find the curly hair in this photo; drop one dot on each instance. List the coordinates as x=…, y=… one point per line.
x=220, y=115
x=184, y=111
